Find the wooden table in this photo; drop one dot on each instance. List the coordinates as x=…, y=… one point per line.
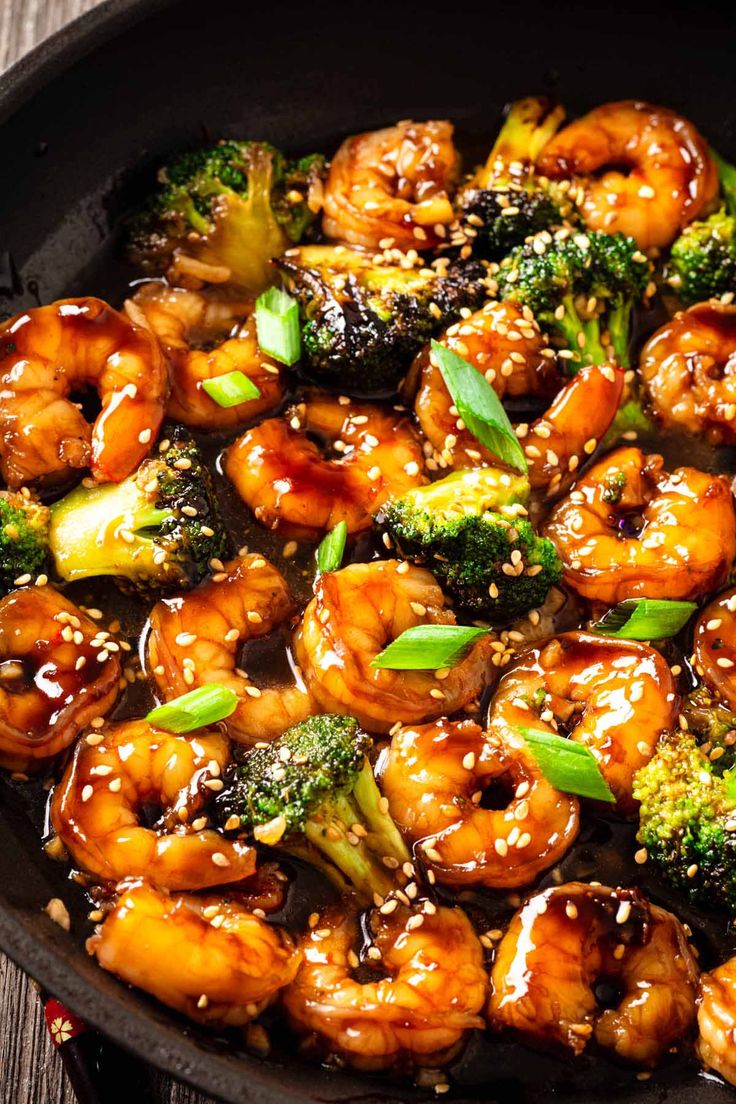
x=30, y=1071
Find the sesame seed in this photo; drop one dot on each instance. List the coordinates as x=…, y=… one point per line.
x=184, y=639
x=692, y=870
x=724, y=662
x=501, y=847
x=469, y=761
x=623, y=912
x=714, y=623
x=87, y=792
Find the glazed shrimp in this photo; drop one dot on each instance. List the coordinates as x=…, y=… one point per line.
x=389, y=188
x=717, y=1020
x=429, y=996
x=616, y=697
x=435, y=777
x=56, y=675
x=197, y=638
x=505, y=345
x=563, y=941
x=49, y=354
x=689, y=370
x=98, y=805
x=293, y=485
x=631, y=529
x=207, y=956
x=714, y=646
x=354, y=615
x=668, y=176
x=187, y=323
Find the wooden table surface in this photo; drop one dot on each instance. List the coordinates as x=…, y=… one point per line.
x=30, y=1071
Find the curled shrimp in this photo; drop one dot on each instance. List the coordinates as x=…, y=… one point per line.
x=205, y=336
x=689, y=370
x=97, y=808
x=615, y=697
x=504, y=343
x=666, y=176
x=56, y=675
x=197, y=638
x=206, y=955
x=47, y=356
x=430, y=990
x=389, y=188
x=354, y=615
x=435, y=777
x=294, y=485
x=631, y=529
x=714, y=646
x=565, y=940
x=717, y=1020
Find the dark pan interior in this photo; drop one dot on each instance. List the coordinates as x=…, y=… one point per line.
x=82, y=118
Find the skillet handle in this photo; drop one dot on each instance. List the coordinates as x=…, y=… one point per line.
x=79, y=1048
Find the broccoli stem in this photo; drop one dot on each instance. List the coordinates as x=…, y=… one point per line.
x=387, y=839
x=528, y=126
x=619, y=327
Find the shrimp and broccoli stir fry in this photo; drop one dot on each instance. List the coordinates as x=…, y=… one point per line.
x=366, y=593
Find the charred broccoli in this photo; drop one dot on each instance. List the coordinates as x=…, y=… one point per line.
x=687, y=821
x=237, y=205
x=24, y=539
x=505, y=203
x=157, y=530
x=468, y=529
x=312, y=792
x=363, y=321
x=581, y=288
x=703, y=259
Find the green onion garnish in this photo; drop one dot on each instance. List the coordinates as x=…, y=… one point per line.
x=230, y=389
x=479, y=407
x=195, y=709
x=645, y=619
x=277, y=325
x=428, y=648
x=569, y=767
x=331, y=548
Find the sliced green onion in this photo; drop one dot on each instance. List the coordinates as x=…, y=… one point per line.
x=332, y=548
x=428, y=648
x=231, y=389
x=569, y=767
x=645, y=619
x=277, y=325
x=195, y=709
x=480, y=407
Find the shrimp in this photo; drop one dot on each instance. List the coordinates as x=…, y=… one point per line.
x=57, y=673
x=644, y=171
x=689, y=370
x=97, y=808
x=435, y=778
x=504, y=343
x=717, y=1020
x=354, y=615
x=47, y=356
x=389, y=188
x=291, y=485
x=615, y=697
x=564, y=941
x=197, y=638
x=429, y=992
x=203, y=337
x=631, y=529
x=207, y=955
x=714, y=646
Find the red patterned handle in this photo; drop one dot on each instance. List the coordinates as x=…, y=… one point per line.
x=79, y=1048
x=63, y=1025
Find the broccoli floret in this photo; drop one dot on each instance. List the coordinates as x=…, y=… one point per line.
x=362, y=321
x=506, y=183
x=24, y=538
x=155, y=531
x=237, y=205
x=686, y=821
x=457, y=526
x=312, y=792
x=714, y=726
x=703, y=259
x=581, y=288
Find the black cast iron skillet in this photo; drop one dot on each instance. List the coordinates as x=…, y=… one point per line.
x=81, y=117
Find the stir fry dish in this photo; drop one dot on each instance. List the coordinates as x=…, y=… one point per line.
x=367, y=606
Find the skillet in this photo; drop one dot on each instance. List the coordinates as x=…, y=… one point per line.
x=81, y=119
